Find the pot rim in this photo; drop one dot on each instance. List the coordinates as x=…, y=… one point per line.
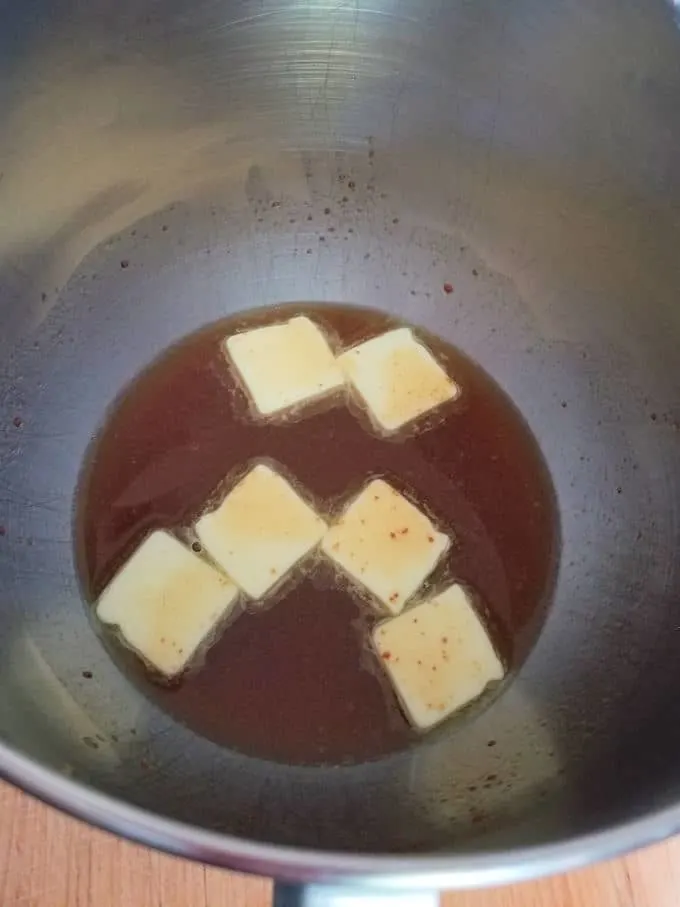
x=302, y=865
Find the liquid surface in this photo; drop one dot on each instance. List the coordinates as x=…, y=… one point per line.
x=294, y=682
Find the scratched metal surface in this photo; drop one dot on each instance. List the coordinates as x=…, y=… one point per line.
x=234, y=154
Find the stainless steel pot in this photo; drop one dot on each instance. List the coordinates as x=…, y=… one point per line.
x=159, y=165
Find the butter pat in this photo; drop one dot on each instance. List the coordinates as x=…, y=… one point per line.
x=438, y=656
x=284, y=365
x=385, y=544
x=166, y=602
x=260, y=530
x=397, y=378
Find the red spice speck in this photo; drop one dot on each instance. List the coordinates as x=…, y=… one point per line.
x=394, y=596
x=448, y=288
x=387, y=655
x=403, y=531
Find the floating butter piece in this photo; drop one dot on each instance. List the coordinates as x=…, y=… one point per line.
x=397, y=378
x=166, y=601
x=283, y=365
x=385, y=543
x=261, y=529
x=438, y=656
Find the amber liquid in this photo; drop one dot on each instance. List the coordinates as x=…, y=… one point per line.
x=295, y=682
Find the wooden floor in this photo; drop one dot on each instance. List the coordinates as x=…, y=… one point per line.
x=48, y=860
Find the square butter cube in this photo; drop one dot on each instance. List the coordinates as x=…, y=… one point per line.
x=385, y=544
x=438, y=656
x=166, y=602
x=283, y=365
x=397, y=378
x=260, y=530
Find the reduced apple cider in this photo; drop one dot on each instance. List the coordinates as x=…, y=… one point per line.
x=295, y=681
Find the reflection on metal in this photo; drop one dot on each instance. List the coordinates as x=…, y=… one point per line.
x=332, y=896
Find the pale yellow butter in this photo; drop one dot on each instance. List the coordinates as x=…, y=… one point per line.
x=438, y=656
x=166, y=602
x=284, y=365
x=397, y=378
x=385, y=543
x=262, y=528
